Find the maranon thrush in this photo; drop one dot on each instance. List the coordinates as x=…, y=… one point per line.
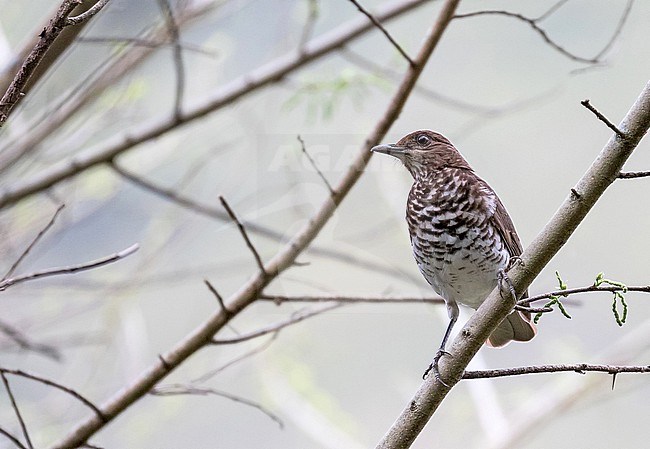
x=461, y=234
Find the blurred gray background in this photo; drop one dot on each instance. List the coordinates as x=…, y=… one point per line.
x=508, y=101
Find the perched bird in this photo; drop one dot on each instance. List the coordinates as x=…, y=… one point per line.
x=461, y=234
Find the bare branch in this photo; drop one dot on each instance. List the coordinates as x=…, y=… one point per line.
x=25, y=343
x=313, y=164
x=47, y=37
x=551, y=10
x=308, y=28
x=244, y=234
x=86, y=16
x=295, y=317
x=603, y=119
x=617, y=31
x=210, y=374
x=38, y=237
x=279, y=299
x=286, y=257
x=19, y=417
x=580, y=368
x=178, y=56
x=218, y=296
x=70, y=391
x=147, y=43
x=180, y=389
x=587, y=289
x=69, y=269
x=634, y=174
x=383, y=30
x=13, y=439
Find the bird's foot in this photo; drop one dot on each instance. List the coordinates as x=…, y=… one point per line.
x=434, y=367
x=502, y=277
x=514, y=260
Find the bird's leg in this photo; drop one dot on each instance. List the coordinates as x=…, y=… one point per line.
x=452, y=311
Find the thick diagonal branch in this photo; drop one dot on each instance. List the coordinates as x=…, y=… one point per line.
x=496, y=307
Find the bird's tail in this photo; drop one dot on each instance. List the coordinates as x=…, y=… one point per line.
x=515, y=327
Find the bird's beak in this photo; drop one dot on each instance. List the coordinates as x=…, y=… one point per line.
x=391, y=149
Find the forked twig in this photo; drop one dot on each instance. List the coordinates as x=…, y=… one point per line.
x=70, y=391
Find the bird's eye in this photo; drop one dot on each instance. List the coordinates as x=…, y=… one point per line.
x=423, y=140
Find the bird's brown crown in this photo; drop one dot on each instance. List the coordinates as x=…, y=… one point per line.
x=424, y=152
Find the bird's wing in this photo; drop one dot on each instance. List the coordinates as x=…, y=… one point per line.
x=506, y=229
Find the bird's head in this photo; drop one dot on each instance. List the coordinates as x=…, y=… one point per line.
x=424, y=152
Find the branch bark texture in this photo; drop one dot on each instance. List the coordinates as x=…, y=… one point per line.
x=250, y=291
x=496, y=307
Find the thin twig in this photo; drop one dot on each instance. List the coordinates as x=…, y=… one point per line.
x=534, y=309
x=279, y=299
x=69, y=269
x=633, y=174
x=218, y=296
x=71, y=392
x=25, y=343
x=580, y=368
x=603, y=119
x=308, y=27
x=551, y=10
x=47, y=37
x=147, y=43
x=23, y=427
x=384, y=31
x=178, y=56
x=617, y=31
x=84, y=17
x=244, y=234
x=210, y=374
x=313, y=164
x=534, y=25
x=587, y=289
x=33, y=243
x=13, y=439
x=180, y=389
x=295, y=317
